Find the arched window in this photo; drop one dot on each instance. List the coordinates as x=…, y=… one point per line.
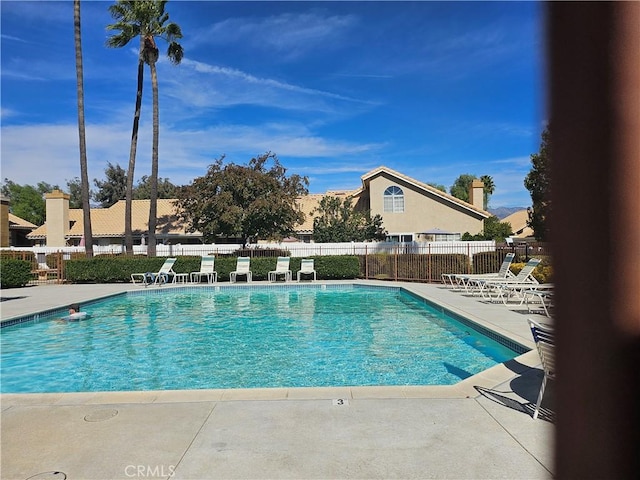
x=394, y=199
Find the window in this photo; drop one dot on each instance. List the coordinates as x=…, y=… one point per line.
x=394, y=200
x=399, y=238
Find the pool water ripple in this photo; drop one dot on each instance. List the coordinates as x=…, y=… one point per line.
x=237, y=338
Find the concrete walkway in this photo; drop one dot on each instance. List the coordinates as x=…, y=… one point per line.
x=481, y=428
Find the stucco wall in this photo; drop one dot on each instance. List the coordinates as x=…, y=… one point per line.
x=423, y=211
x=4, y=222
x=57, y=204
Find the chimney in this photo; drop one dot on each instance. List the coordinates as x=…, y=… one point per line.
x=4, y=222
x=476, y=194
x=57, y=218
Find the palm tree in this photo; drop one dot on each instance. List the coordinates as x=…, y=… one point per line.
x=128, y=15
x=145, y=19
x=488, y=189
x=170, y=32
x=84, y=175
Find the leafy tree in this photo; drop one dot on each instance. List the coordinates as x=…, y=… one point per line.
x=166, y=189
x=27, y=201
x=84, y=175
x=440, y=187
x=240, y=201
x=338, y=221
x=538, y=182
x=462, y=184
x=147, y=20
x=74, y=188
x=113, y=188
x=460, y=187
x=494, y=229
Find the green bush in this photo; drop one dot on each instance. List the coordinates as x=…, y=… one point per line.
x=335, y=267
x=14, y=273
x=115, y=269
x=543, y=273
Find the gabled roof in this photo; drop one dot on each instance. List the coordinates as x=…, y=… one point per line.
x=518, y=221
x=20, y=223
x=366, y=178
x=109, y=222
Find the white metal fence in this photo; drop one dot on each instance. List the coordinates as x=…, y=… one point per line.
x=296, y=249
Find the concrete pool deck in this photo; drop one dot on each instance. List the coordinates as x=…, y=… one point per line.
x=479, y=428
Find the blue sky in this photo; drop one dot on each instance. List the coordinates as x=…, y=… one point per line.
x=335, y=89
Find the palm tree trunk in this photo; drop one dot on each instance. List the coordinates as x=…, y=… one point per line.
x=153, y=202
x=84, y=175
x=128, y=234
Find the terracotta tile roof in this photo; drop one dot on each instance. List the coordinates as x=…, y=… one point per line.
x=109, y=222
x=423, y=186
x=17, y=222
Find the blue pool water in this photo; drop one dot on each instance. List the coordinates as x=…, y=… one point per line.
x=225, y=337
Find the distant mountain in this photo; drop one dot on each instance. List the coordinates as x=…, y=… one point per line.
x=503, y=212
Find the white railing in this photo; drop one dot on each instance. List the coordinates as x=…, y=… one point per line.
x=296, y=249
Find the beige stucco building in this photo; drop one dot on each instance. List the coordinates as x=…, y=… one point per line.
x=65, y=226
x=410, y=211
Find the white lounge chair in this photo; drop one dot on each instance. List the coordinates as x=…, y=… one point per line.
x=307, y=268
x=539, y=294
x=282, y=268
x=164, y=275
x=506, y=286
x=207, y=270
x=243, y=267
x=462, y=280
x=545, y=344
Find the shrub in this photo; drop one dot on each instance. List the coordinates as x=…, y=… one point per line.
x=542, y=273
x=115, y=269
x=14, y=273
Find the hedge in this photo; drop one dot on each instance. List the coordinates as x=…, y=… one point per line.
x=114, y=269
x=543, y=273
x=14, y=273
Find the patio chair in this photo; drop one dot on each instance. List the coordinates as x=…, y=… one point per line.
x=545, y=344
x=504, y=287
x=243, y=267
x=539, y=294
x=307, y=268
x=282, y=268
x=163, y=275
x=462, y=280
x=207, y=265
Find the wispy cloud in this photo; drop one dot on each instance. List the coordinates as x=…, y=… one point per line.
x=52, y=150
x=499, y=129
x=211, y=86
x=12, y=38
x=7, y=113
x=288, y=34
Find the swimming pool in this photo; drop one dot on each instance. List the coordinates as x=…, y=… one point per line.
x=247, y=337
